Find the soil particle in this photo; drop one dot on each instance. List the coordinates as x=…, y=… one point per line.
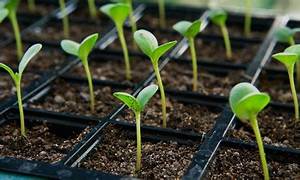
x=117, y=152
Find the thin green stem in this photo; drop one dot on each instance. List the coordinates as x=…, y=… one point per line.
x=294, y=94
x=125, y=51
x=226, y=41
x=162, y=14
x=20, y=104
x=92, y=9
x=162, y=92
x=65, y=18
x=132, y=18
x=247, y=25
x=194, y=61
x=138, y=142
x=15, y=25
x=90, y=82
x=260, y=145
x=31, y=5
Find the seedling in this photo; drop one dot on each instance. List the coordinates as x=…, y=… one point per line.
x=149, y=45
x=190, y=30
x=17, y=77
x=118, y=13
x=137, y=105
x=162, y=13
x=248, y=12
x=131, y=15
x=289, y=58
x=31, y=5
x=92, y=9
x=65, y=18
x=219, y=17
x=246, y=102
x=11, y=6
x=82, y=51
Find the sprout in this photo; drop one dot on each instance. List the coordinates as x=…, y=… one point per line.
x=65, y=19
x=288, y=58
x=11, y=6
x=246, y=102
x=149, y=45
x=118, y=13
x=219, y=18
x=82, y=51
x=247, y=25
x=92, y=9
x=137, y=105
x=131, y=16
x=190, y=30
x=162, y=13
x=17, y=77
x=31, y=5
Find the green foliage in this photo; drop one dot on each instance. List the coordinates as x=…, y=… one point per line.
x=3, y=14
x=218, y=16
x=286, y=35
x=118, y=12
x=188, y=29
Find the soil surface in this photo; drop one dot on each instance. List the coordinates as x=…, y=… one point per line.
x=186, y=117
x=277, y=127
x=245, y=164
x=117, y=152
x=6, y=30
x=107, y=67
x=74, y=98
x=42, y=143
x=179, y=76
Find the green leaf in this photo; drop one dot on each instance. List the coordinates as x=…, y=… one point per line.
x=29, y=54
x=218, y=16
x=284, y=34
x=246, y=101
x=288, y=59
x=11, y=5
x=188, y=29
x=293, y=49
x=117, y=12
x=3, y=14
x=9, y=70
x=146, y=94
x=162, y=49
x=70, y=47
x=129, y=100
x=146, y=41
x=87, y=45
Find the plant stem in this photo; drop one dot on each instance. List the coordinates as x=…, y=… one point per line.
x=247, y=27
x=226, y=41
x=20, y=104
x=132, y=18
x=90, y=82
x=125, y=51
x=138, y=141
x=92, y=9
x=15, y=25
x=162, y=14
x=194, y=61
x=260, y=145
x=65, y=18
x=294, y=94
x=292, y=42
x=162, y=92
x=31, y=5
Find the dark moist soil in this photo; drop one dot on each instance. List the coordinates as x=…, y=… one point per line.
x=113, y=68
x=245, y=164
x=179, y=76
x=46, y=60
x=74, y=99
x=214, y=51
x=117, y=152
x=277, y=127
x=83, y=14
x=42, y=9
x=7, y=86
x=42, y=143
x=186, y=117
x=6, y=30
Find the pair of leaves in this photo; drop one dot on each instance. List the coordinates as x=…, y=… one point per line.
x=246, y=101
x=218, y=16
x=285, y=34
x=147, y=42
x=8, y=7
x=81, y=50
x=289, y=57
x=118, y=12
x=137, y=104
x=188, y=29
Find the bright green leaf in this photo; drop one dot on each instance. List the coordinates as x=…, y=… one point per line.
x=218, y=16
x=288, y=59
x=129, y=100
x=284, y=34
x=188, y=29
x=162, y=49
x=12, y=5
x=70, y=47
x=146, y=41
x=86, y=46
x=117, y=12
x=293, y=49
x=3, y=14
x=146, y=94
x=29, y=54
x=9, y=70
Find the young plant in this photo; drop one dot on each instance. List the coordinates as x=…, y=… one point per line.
x=190, y=30
x=246, y=102
x=219, y=17
x=31, y=5
x=162, y=13
x=137, y=105
x=118, y=13
x=289, y=58
x=65, y=18
x=92, y=9
x=131, y=15
x=248, y=12
x=11, y=6
x=82, y=51
x=149, y=45
x=17, y=77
